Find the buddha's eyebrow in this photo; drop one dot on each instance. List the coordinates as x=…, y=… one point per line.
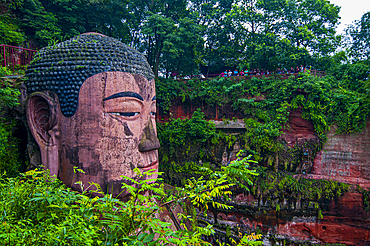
x=124, y=94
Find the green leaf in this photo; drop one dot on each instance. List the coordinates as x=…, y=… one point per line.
x=141, y=236
x=149, y=238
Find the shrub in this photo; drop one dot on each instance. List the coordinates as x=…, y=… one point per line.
x=9, y=151
x=39, y=210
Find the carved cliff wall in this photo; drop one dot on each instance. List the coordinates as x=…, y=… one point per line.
x=343, y=158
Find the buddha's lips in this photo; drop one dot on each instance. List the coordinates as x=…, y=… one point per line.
x=153, y=165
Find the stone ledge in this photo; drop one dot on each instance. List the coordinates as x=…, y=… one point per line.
x=364, y=183
x=229, y=124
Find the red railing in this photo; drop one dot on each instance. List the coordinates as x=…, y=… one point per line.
x=13, y=56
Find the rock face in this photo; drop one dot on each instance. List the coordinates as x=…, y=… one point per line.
x=345, y=158
x=344, y=221
x=297, y=129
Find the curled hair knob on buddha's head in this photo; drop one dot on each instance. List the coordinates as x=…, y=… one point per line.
x=64, y=67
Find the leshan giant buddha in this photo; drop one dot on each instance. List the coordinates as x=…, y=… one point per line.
x=92, y=105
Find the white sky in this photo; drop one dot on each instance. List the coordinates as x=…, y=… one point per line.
x=350, y=11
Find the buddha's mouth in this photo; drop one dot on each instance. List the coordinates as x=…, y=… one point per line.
x=153, y=165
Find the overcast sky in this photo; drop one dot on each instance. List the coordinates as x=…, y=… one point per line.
x=350, y=11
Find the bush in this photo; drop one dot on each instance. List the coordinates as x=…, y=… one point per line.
x=9, y=151
x=39, y=210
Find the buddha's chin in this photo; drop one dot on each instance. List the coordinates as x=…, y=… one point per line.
x=152, y=166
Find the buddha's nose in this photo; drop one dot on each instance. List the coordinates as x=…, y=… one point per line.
x=149, y=140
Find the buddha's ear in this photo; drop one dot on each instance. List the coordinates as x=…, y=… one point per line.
x=41, y=110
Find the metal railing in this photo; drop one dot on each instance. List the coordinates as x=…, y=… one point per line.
x=13, y=57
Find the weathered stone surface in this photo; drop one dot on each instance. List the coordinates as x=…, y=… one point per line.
x=297, y=129
x=325, y=232
x=232, y=124
x=345, y=158
x=345, y=221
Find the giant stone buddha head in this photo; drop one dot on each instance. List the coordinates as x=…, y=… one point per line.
x=92, y=105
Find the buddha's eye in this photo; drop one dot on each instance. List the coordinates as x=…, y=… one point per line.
x=153, y=113
x=127, y=114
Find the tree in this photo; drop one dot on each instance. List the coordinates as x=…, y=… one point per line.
x=38, y=24
x=266, y=33
x=183, y=51
x=311, y=24
x=160, y=22
x=9, y=33
x=71, y=16
x=113, y=18
x=359, y=38
x=9, y=30
x=221, y=37
x=218, y=34
x=46, y=22
x=158, y=29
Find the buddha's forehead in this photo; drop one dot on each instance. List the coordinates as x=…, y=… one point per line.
x=117, y=82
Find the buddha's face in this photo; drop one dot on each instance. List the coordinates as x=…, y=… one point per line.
x=112, y=132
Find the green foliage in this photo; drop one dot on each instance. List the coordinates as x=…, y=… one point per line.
x=4, y=71
x=274, y=187
x=266, y=34
x=47, y=22
x=183, y=50
x=211, y=92
x=366, y=199
x=186, y=35
x=167, y=90
x=39, y=210
x=106, y=16
x=215, y=189
x=9, y=152
x=359, y=41
x=204, y=193
x=9, y=33
x=180, y=131
x=351, y=98
x=9, y=30
x=159, y=28
x=37, y=23
x=185, y=137
x=251, y=240
x=239, y=171
x=341, y=99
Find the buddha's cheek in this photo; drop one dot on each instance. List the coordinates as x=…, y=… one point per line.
x=117, y=149
x=118, y=156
